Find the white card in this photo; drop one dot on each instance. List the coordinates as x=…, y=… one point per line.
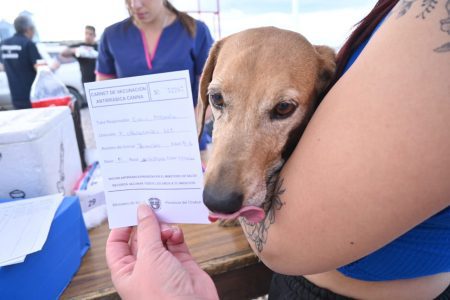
x=148, y=147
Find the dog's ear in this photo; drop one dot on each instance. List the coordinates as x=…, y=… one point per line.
x=327, y=67
x=205, y=79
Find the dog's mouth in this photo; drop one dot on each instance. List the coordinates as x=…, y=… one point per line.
x=252, y=214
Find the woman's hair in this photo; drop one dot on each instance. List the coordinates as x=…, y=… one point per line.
x=362, y=31
x=187, y=21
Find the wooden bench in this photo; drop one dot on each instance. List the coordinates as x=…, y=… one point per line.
x=223, y=253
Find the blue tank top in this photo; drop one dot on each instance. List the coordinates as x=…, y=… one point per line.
x=422, y=251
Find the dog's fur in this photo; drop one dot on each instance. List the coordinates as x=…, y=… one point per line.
x=253, y=71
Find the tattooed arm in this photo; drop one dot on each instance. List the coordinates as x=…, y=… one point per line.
x=445, y=27
x=375, y=159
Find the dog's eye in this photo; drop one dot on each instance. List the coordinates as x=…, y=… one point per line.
x=216, y=100
x=283, y=110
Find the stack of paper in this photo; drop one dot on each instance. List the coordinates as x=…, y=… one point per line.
x=24, y=226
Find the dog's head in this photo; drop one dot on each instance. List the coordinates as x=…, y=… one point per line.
x=263, y=85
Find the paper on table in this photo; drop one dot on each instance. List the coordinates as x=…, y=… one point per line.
x=148, y=147
x=24, y=226
x=13, y=261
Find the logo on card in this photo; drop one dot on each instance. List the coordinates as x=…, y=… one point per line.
x=154, y=203
x=17, y=194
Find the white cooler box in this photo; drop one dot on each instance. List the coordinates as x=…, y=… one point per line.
x=38, y=152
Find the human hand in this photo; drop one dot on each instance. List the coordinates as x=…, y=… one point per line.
x=54, y=65
x=154, y=262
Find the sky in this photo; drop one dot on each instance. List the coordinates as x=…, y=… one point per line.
x=321, y=21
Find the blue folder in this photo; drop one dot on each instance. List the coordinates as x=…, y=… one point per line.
x=46, y=273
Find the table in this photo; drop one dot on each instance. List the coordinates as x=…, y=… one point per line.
x=223, y=252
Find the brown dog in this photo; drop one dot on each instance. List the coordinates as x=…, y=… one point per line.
x=263, y=85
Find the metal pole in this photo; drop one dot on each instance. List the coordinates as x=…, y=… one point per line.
x=218, y=17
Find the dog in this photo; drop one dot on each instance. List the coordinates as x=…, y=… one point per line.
x=263, y=85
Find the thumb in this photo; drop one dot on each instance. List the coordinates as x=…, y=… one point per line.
x=148, y=230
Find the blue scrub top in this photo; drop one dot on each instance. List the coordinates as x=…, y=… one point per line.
x=123, y=51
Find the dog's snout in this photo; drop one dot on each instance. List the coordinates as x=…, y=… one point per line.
x=222, y=200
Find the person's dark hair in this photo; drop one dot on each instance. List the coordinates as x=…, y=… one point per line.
x=90, y=27
x=363, y=30
x=22, y=24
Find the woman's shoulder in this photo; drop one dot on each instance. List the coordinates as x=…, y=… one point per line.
x=119, y=26
x=201, y=26
x=202, y=31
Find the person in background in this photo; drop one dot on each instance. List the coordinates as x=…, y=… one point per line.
x=86, y=54
x=19, y=56
x=156, y=38
x=363, y=209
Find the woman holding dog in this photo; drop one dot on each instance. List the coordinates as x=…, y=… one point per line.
x=156, y=38
x=365, y=202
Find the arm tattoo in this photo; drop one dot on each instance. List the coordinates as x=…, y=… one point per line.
x=257, y=233
x=445, y=27
x=427, y=7
x=405, y=5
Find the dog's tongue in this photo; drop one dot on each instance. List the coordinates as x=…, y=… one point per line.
x=253, y=214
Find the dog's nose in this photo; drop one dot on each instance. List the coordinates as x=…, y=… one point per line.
x=222, y=200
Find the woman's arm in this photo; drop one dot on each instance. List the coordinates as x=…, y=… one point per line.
x=68, y=52
x=105, y=67
x=375, y=159
x=100, y=76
